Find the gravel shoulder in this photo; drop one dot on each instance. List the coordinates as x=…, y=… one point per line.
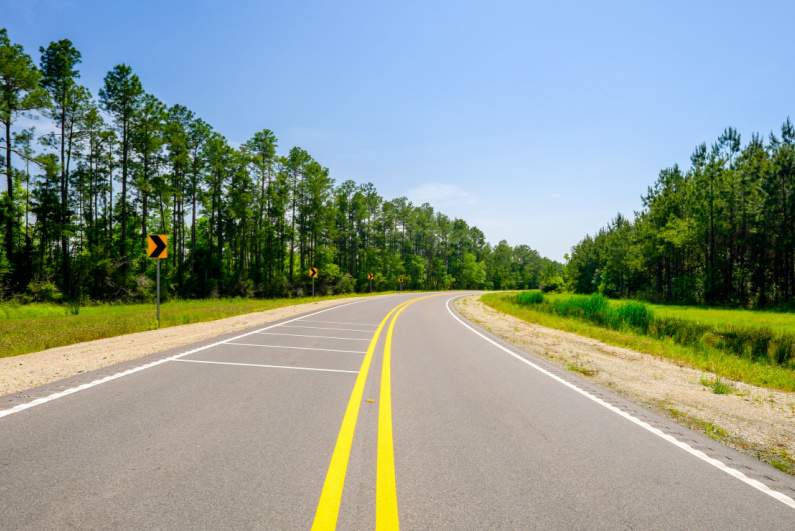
x=19, y=373
x=752, y=419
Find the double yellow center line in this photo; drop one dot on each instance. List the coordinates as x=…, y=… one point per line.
x=386, y=510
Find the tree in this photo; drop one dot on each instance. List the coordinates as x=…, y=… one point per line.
x=295, y=164
x=147, y=138
x=20, y=93
x=70, y=101
x=261, y=153
x=121, y=97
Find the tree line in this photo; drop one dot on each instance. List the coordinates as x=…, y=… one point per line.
x=719, y=233
x=81, y=199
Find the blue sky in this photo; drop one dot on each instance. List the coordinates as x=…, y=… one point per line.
x=535, y=121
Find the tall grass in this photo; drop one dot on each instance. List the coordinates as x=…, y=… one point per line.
x=594, y=308
x=530, y=297
x=698, y=345
x=33, y=327
x=757, y=343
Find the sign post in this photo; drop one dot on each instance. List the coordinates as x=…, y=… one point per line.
x=313, y=274
x=370, y=278
x=158, y=250
x=400, y=285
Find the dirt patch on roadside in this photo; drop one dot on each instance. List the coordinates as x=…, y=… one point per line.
x=18, y=373
x=756, y=420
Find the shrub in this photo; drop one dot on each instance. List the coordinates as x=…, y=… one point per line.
x=346, y=284
x=552, y=283
x=595, y=308
x=530, y=297
x=759, y=344
x=44, y=292
x=635, y=314
x=783, y=350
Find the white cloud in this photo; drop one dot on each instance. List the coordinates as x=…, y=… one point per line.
x=440, y=195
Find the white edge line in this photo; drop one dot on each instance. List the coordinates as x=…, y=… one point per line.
x=325, y=328
x=267, y=366
x=83, y=387
x=340, y=322
x=321, y=337
x=783, y=498
x=299, y=348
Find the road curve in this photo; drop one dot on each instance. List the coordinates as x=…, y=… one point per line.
x=393, y=411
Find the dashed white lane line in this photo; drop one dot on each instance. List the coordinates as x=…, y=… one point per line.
x=67, y=392
x=339, y=322
x=298, y=348
x=266, y=366
x=326, y=328
x=320, y=337
x=783, y=498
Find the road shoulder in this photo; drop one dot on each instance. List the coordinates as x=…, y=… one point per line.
x=27, y=371
x=757, y=421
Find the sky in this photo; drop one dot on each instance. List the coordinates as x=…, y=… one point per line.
x=537, y=122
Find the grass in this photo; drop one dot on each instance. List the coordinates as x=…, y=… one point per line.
x=718, y=386
x=778, y=458
x=715, y=432
x=709, y=316
x=34, y=327
x=711, y=355
x=755, y=340
x=582, y=369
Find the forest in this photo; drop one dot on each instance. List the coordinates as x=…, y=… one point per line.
x=81, y=198
x=719, y=233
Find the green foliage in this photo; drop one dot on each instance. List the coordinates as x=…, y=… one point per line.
x=756, y=342
x=552, y=280
x=530, y=297
x=718, y=386
x=635, y=314
x=44, y=291
x=718, y=233
x=38, y=326
x=702, y=355
x=243, y=222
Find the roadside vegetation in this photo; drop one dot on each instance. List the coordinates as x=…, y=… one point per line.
x=749, y=346
x=86, y=187
x=718, y=233
x=26, y=328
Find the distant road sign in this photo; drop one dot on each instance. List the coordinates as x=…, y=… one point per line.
x=369, y=276
x=434, y=282
x=313, y=272
x=157, y=246
x=400, y=279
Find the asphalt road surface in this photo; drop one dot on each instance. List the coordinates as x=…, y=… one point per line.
x=426, y=420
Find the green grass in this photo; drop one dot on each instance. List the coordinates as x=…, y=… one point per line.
x=718, y=386
x=711, y=355
x=744, y=338
x=776, y=321
x=34, y=327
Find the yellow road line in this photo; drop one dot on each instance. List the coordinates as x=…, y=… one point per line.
x=329, y=505
x=386, y=506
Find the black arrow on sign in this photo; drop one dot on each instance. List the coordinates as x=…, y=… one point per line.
x=160, y=246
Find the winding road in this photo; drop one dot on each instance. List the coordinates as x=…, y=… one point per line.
x=383, y=412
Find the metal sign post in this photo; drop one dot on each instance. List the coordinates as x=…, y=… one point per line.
x=158, y=250
x=370, y=278
x=313, y=274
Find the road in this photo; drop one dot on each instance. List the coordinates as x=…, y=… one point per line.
x=385, y=411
